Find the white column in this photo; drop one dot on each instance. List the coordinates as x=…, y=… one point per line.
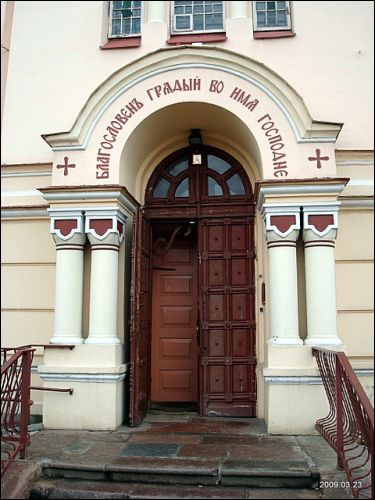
x=156, y=12
x=68, y=233
x=239, y=9
x=282, y=230
x=320, y=229
x=105, y=230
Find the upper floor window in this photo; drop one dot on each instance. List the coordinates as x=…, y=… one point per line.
x=124, y=19
x=197, y=16
x=271, y=16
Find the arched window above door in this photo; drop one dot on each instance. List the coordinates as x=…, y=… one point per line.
x=214, y=176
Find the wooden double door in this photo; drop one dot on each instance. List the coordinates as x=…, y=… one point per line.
x=193, y=325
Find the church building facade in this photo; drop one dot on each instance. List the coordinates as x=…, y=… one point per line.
x=187, y=205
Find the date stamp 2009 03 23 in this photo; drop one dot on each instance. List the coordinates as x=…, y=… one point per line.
x=339, y=484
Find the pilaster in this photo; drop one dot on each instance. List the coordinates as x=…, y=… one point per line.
x=319, y=234
x=282, y=225
x=67, y=229
x=105, y=229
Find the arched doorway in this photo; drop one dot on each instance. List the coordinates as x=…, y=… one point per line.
x=193, y=295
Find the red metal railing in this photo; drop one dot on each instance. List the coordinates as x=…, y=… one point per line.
x=349, y=425
x=15, y=401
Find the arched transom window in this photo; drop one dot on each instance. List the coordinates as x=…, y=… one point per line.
x=207, y=175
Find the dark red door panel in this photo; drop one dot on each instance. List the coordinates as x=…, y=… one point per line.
x=227, y=304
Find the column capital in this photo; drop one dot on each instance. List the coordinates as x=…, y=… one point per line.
x=67, y=227
x=105, y=225
x=281, y=224
x=320, y=224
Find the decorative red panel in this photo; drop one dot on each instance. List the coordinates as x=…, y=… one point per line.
x=66, y=226
x=282, y=222
x=321, y=221
x=101, y=226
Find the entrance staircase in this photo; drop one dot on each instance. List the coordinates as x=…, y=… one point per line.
x=176, y=456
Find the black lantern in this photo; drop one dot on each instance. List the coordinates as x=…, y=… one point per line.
x=195, y=138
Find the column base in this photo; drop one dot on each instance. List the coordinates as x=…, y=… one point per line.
x=284, y=341
x=67, y=340
x=323, y=341
x=103, y=340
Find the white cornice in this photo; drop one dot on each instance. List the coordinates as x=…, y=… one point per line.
x=301, y=189
x=52, y=196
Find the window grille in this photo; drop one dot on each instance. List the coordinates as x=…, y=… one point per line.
x=197, y=16
x=125, y=19
x=271, y=16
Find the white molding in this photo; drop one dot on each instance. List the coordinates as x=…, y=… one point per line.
x=101, y=378
x=16, y=194
x=342, y=163
x=299, y=189
x=352, y=203
x=296, y=380
x=43, y=173
x=361, y=182
x=323, y=341
x=308, y=379
x=280, y=341
x=91, y=195
x=23, y=213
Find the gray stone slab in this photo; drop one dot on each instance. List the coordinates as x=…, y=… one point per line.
x=149, y=450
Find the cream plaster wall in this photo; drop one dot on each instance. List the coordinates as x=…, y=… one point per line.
x=63, y=66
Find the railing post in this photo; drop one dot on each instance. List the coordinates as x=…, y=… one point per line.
x=372, y=461
x=339, y=415
x=25, y=401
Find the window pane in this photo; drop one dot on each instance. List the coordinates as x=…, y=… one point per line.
x=281, y=5
x=182, y=189
x=182, y=22
x=198, y=23
x=281, y=18
x=214, y=189
x=271, y=5
x=218, y=164
x=235, y=185
x=271, y=18
x=116, y=27
x=178, y=166
x=126, y=27
x=260, y=5
x=136, y=26
x=161, y=188
x=261, y=18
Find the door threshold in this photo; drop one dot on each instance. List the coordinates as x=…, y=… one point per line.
x=168, y=407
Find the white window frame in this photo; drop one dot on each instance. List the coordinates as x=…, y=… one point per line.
x=288, y=27
x=175, y=31
x=110, y=23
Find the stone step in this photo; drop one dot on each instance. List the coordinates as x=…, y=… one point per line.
x=191, y=471
x=65, y=488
